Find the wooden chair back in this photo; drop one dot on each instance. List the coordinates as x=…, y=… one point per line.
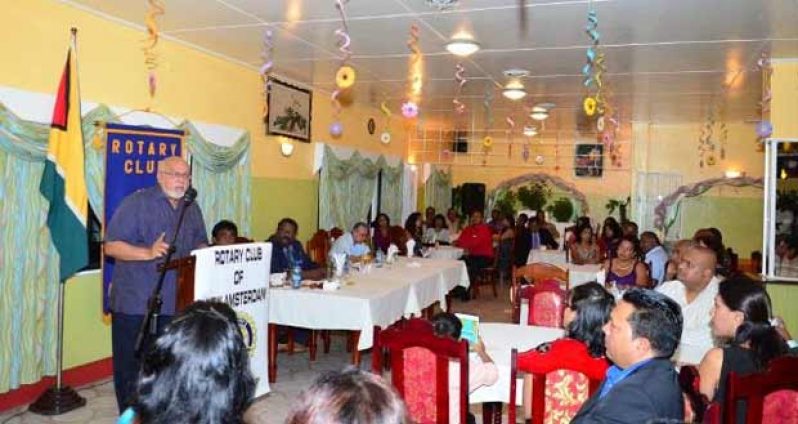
x=564, y=371
x=420, y=369
x=318, y=247
x=770, y=396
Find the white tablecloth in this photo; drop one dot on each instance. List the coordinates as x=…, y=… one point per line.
x=380, y=298
x=554, y=257
x=500, y=339
x=581, y=274
x=446, y=252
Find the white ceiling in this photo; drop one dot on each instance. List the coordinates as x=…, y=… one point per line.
x=667, y=60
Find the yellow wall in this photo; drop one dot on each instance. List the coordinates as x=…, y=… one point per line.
x=191, y=85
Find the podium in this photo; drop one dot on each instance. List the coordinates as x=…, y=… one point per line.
x=185, y=280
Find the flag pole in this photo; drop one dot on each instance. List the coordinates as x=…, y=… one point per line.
x=60, y=399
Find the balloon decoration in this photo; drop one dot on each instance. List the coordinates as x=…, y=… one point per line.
x=265, y=69
x=764, y=129
x=487, y=142
x=589, y=105
x=539, y=159
x=345, y=76
x=155, y=8
x=385, y=137
x=459, y=77
x=336, y=129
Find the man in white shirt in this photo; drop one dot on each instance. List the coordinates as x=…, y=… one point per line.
x=354, y=242
x=694, y=291
x=656, y=256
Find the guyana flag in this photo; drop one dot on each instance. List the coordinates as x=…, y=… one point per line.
x=63, y=183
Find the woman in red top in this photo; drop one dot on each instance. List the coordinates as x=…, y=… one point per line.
x=588, y=309
x=477, y=241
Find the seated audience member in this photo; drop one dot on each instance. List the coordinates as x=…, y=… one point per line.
x=655, y=256
x=437, y=233
x=741, y=317
x=505, y=239
x=694, y=291
x=589, y=307
x=543, y=234
x=454, y=224
x=523, y=243
x=353, y=243
x=382, y=233
x=287, y=251
x=495, y=221
x=572, y=232
x=610, y=238
x=414, y=230
x=477, y=242
x=584, y=249
x=787, y=264
x=713, y=239
x=642, y=386
x=626, y=270
x=348, y=397
x=429, y=219
x=481, y=369
x=197, y=371
x=629, y=228
x=672, y=267
x=224, y=233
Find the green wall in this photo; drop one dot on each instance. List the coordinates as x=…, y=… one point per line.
x=738, y=218
x=274, y=199
x=785, y=299
x=87, y=337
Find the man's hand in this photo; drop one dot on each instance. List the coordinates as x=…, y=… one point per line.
x=159, y=247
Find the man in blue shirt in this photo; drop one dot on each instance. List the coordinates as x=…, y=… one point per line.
x=642, y=387
x=286, y=251
x=354, y=242
x=137, y=238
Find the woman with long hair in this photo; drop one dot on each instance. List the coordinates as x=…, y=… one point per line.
x=382, y=233
x=197, y=371
x=437, y=232
x=585, y=250
x=610, y=238
x=741, y=316
x=626, y=270
x=588, y=309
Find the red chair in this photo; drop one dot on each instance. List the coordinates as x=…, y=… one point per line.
x=420, y=369
x=318, y=247
x=770, y=396
x=488, y=276
x=695, y=402
x=546, y=303
x=335, y=232
x=560, y=385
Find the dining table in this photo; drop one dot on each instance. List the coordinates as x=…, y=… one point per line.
x=374, y=296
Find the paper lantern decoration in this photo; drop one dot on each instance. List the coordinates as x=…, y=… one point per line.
x=345, y=77
x=409, y=110
x=336, y=129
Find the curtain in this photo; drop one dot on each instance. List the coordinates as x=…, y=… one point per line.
x=438, y=190
x=29, y=261
x=345, y=190
x=392, y=188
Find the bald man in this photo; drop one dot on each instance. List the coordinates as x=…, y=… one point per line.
x=137, y=238
x=694, y=290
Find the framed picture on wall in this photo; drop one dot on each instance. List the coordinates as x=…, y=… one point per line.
x=589, y=160
x=289, y=110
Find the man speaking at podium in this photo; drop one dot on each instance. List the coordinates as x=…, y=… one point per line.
x=137, y=238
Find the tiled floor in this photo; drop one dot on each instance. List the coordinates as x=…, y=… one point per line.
x=295, y=373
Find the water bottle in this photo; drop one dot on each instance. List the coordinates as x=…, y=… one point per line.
x=296, y=276
x=380, y=257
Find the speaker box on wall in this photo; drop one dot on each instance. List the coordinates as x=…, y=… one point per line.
x=473, y=196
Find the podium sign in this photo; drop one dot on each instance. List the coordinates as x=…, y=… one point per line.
x=239, y=276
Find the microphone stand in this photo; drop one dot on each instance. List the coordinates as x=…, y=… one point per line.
x=149, y=326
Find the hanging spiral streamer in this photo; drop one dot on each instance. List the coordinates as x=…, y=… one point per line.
x=265, y=69
x=459, y=106
x=155, y=8
x=344, y=41
x=511, y=124
x=415, y=63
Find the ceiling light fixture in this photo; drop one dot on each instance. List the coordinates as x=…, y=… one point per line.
x=530, y=131
x=462, y=46
x=514, y=90
x=539, y=115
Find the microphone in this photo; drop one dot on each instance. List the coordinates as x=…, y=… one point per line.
x=190, y=195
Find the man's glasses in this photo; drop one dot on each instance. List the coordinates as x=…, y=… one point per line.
x=180, y=175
